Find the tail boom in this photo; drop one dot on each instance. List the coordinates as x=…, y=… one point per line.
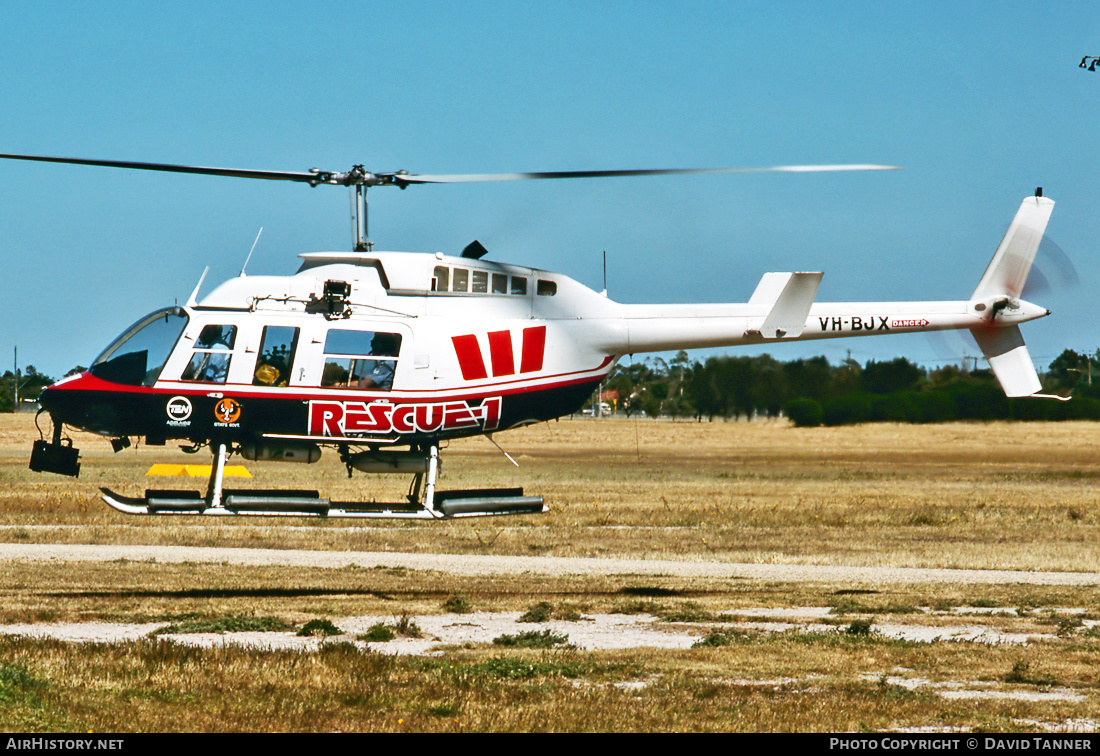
x=782, y=308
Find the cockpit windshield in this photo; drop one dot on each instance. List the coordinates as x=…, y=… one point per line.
x=137, y=356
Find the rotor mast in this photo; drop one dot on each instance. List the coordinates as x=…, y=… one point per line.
x=360, y=228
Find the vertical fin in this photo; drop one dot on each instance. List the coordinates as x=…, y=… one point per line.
x=1004, y=279
x=1008, y=270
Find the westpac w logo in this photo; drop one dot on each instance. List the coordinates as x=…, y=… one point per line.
x=501, y=353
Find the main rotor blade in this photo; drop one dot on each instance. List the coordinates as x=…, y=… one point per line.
x=457, y=178
x=359, y=176
x=235, y=172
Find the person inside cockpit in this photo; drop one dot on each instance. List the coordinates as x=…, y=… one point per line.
x=379, y=373
x=213, y=349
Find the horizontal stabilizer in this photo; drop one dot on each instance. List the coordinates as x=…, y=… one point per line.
x=1008, y=270
x=790, y=295
x=1009, y=359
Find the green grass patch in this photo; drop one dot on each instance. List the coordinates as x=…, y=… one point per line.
x=379, y=633
x=319, y=627
x=544, y=611
x=532, y=639
x=1021, y=673
x=718, y=637
x=226, y=625
x=513, y=668
x=860, y=627
x=17, y=684
x=456, y=603
x=640, y=607
x=850, y=606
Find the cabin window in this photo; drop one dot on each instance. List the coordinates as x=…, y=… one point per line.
x=360, y=359
x=276, y=356
x=439, y=281
x=458, y=280
x=481, y=282
x=213, y=351
x=137, y=356
x=546, y=288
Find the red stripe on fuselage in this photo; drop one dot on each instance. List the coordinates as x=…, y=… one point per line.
x=500, y=352
x=469, y=357
x=534, y=348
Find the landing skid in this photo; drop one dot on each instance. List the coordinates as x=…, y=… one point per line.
x=433, y=505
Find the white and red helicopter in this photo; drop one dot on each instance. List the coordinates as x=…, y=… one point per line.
x=384, y=355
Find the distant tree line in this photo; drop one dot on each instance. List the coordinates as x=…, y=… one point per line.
x=815, y=392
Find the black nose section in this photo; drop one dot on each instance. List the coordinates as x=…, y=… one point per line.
x=61, y=405
x=46, y=400
x=80, y=409
x=94, y=408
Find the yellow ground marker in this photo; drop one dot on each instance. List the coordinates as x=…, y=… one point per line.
x=196, y=471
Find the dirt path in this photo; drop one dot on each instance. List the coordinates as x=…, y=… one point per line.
x=487, y=564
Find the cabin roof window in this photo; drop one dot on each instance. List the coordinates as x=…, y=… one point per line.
x=481, y=282
x=458, y=280
x=440, y=278
x=461, y=280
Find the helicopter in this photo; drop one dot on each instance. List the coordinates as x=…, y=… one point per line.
x=384, y=355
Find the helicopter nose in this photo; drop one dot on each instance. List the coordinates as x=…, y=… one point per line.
x=62, y=401
x=82, y=402
x=47, y=400
x=52, y=400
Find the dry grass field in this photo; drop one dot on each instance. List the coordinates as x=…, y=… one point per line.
x=985, y=496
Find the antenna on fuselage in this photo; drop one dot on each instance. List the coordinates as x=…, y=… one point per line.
x=254, y=243
x=194, y=298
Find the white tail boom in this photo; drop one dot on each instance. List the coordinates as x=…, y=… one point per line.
x=782, y=308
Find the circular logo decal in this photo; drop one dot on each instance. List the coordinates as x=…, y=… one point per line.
x=227, y=411
x=178, y=408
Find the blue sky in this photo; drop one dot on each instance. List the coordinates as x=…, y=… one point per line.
x=979, y=102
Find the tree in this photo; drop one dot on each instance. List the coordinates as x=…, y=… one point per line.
x=804, y=413
x=1069, y=370
x=886, y=377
